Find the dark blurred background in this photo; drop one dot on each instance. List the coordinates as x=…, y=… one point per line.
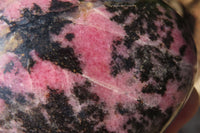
x=193, y=126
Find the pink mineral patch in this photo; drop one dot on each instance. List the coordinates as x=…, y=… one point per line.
x=45, y=73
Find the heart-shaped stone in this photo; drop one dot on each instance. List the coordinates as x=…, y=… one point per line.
x=104, y=66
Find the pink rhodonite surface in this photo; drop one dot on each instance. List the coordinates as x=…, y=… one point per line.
x=69, y=66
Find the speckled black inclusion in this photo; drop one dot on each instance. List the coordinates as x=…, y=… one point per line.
x=35, y=28
x=69, y=36
x=168, y=39
x=83, y=94
x=6, y=94
x=119, y=62
x=168, y=68
x=150, y=116
x=165, y=68
x=146, y=11
x=155, y=115
x=61, y=116
x=9, y=66
x=11, y=98
x=187, y=35
x=63, y=119
x=182, y=50
x=60, y=5
x=149, y=61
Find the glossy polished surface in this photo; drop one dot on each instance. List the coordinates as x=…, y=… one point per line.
x=92, y=67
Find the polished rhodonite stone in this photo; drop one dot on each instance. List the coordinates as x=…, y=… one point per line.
x=85, y=66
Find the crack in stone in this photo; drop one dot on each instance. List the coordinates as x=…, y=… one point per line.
x=112, y=88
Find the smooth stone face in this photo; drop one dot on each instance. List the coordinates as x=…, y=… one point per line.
x=74, y=66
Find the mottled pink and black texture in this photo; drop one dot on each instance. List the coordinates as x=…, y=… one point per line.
x=73, y=66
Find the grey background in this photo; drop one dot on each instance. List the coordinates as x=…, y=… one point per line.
x=193, y=126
